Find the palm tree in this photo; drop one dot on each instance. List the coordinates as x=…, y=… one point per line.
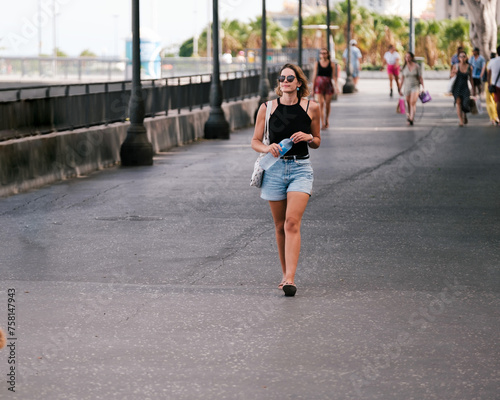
x=456, y=33
x=427, y=40
x=276, y=36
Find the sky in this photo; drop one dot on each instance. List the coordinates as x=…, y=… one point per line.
x=102, y=26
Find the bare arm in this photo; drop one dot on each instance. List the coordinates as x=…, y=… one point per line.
x=472, y=82
x=334, y=75
x=315, y=73
x=453, y=71
x=483, y=71
x=258, y=134
x=315, y=122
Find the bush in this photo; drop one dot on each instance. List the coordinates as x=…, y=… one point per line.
x=371, y=67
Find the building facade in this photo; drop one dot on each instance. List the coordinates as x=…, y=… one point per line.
x=451, y=9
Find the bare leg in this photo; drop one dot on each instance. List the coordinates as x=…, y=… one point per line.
x=321, y=101
x=296, y=205
x=396, y=78
x=278, y=210
x=459, y=111
x=413, y=105
x=408, y=106
x=328, y=106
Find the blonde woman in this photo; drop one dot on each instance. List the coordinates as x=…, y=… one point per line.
x=411, y=79
x=287, y=185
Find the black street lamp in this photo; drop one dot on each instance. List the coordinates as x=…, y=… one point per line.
x=412, y=29
x=216, y=126
x=300, y=35
x=264, y=85
x=349, y=83
x=136, y=149
x=328, y=33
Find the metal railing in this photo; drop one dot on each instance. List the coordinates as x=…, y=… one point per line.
x=35, y=110
x=85, y=69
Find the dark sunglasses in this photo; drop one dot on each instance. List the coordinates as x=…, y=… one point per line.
x=289, y=78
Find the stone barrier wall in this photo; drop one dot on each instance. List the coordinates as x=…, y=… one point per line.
x=35, y=161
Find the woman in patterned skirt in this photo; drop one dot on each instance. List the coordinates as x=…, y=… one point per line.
x=324, y=73
x=461, y=92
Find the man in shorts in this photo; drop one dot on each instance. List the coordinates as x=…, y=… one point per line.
x=355, y=61
x=391, y=59
x=494, y=78
x=478, y=64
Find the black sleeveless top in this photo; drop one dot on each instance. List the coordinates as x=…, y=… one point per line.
x=285, y=121
x=327, y=71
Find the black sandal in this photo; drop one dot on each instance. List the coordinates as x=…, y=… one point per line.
x=290, y=289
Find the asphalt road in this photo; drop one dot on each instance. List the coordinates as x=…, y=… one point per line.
x=160, y=282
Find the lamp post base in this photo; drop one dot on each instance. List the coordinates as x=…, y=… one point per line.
x=216, y=126
x=348, y=86
x=136, y=150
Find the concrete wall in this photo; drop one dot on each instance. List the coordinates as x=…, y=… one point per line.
x=31, y=162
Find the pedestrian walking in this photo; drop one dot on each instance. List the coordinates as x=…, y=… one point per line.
x=461, y=92
x=287, y=184
x=478, y=64
x=355, y=61
x=454, y=58
x=324, y=78
x=411, y=79
x=493, y=79
x=491, y=107
x=391, y=59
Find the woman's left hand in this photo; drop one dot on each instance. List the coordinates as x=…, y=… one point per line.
x=301, y=137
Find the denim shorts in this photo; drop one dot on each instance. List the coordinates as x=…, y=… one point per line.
x=287, y=176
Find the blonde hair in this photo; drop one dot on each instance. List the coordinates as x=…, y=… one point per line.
x=300, y=76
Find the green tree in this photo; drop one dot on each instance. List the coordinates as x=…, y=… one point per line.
x=87, y=53
x=60, y=53
x=455, y=33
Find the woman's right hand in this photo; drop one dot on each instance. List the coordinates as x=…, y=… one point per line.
x=274, y=149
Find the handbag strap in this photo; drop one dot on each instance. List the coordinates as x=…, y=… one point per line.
x=498, y=76
x=266, y=127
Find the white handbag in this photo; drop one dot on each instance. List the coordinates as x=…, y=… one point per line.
x=451, y=82
x=258, y=171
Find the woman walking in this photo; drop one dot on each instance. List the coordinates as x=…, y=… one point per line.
x=391, y=58
x=490, y=99
x=287, y=185
x=461, y=92
x=324, y=73
x=411, y=79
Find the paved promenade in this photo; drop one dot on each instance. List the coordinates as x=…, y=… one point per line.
x=160, y=282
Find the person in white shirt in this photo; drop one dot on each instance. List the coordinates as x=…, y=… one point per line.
x=494, y=78
x=391, y=59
